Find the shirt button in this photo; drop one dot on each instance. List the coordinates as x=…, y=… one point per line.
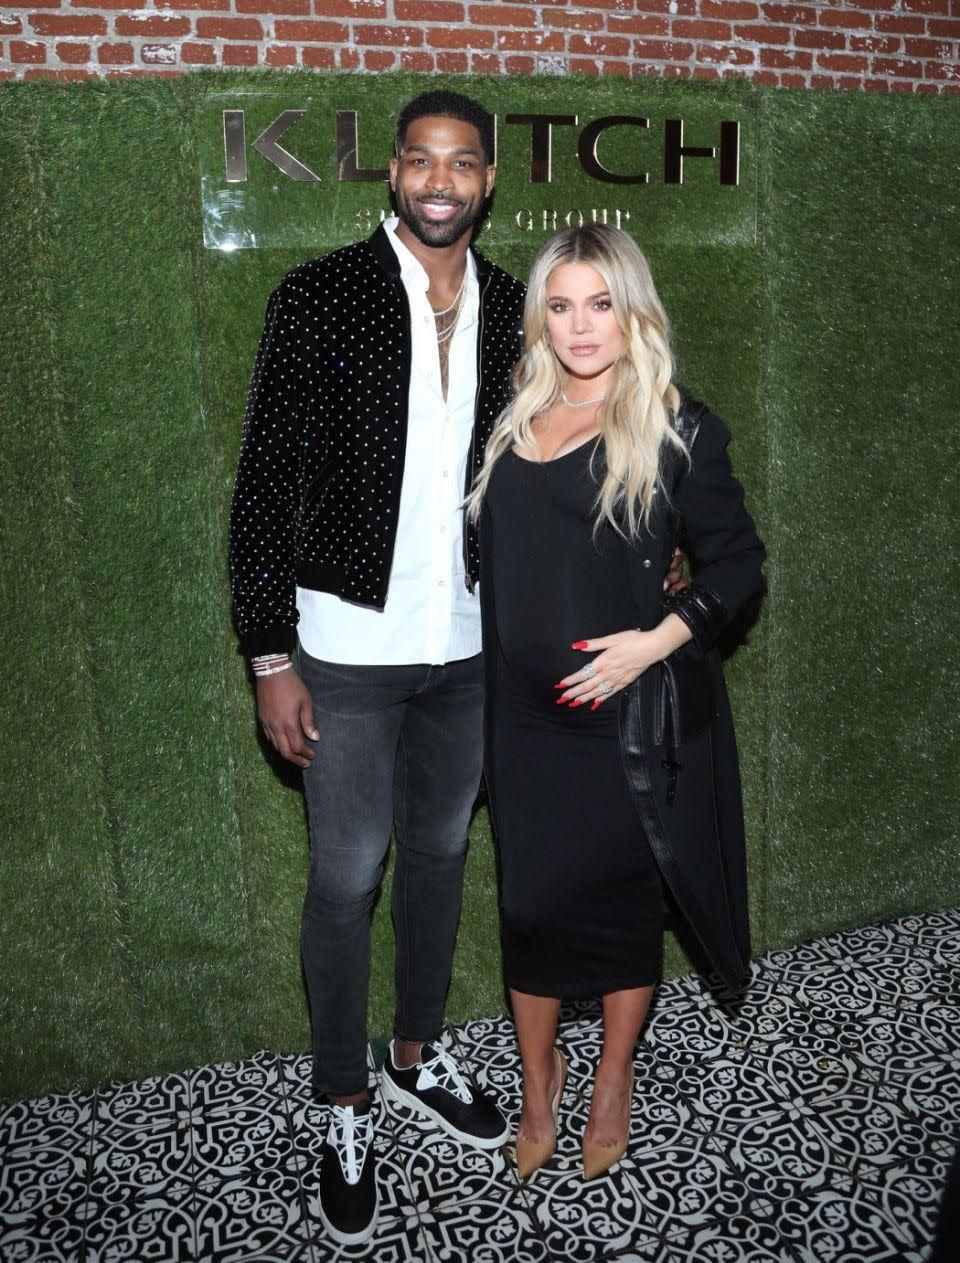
x=446, y=473
x=443, y=530
x=646, y=563
x=441, y=583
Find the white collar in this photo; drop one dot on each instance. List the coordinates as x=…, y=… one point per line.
x=410, y=266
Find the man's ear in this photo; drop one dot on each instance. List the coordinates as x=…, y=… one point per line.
x=491, y=179
x=394, y=164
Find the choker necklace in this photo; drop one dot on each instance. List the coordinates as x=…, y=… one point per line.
x=587, y=403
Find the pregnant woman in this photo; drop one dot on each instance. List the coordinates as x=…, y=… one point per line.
x=611, y=759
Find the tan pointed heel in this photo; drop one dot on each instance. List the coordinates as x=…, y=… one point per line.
x=532, y=1154
x=598, y=1159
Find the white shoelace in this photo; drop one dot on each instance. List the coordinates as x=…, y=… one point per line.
x=350, y=1136
x=441, y=1072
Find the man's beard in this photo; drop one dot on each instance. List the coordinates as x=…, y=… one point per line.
x=433, y=234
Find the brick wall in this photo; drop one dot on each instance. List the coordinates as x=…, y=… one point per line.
x=879, y=45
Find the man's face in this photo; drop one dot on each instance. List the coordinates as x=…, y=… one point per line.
x=441, y=179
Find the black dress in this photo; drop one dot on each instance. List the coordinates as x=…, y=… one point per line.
x=582, y=901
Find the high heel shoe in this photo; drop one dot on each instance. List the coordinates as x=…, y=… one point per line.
x=600, y=1158
x=532, y=1154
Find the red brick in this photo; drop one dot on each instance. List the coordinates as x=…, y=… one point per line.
x=599, y=45
x=348, y=59
x=706, y=72
x=64, y=76
x=674, y=8
x=390, y=36
x=846, y=20
x=872, y=4
x=68, y=23
x=482, y=63
x=637, y=24
x=941, y=7
x=792, y=14
x=458, y=37
x=300, y=7
x=427, y=11
x=108, y=4
x=158, y=54
x=115, y=54
x=323, y=58
x=765, y=78
x=10, y=74
x=422, y=63
x=229, y=28
x=585, y=66
x=819, y=39
x=139, y=72
x=39, y=4
x=729, y=10
x=519, y=64
x=506, y=15
x=877, y=85
x=280, y=55
x=875, y=44
x=366, y=9
x=198, y=54
x=186, y=4
x=899, y=66
x=661, y=49
x=793, y=80
x=730, y=54
x=902, y=85
x=897, y=24
x=27, y=52
x=696, y=28
x=842, y=61
x=762, y=32
x=240, y=54
x=535, y=41
x=452, y=63
x=939, y=26
x=786, y=59
x=571, y=20
x=943, y=50
x=373, y=59
x=927, y=87
x=73, y=54
x=310, y=32
x=151, y=24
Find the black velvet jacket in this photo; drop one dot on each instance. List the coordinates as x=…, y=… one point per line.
x=321, y=462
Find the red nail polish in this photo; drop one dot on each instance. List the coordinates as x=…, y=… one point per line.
x=579, y=644
x=577, y=701
x=595, y=704
x=559, y=686
x=561, y=700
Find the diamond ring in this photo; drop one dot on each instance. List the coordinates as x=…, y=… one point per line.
x=589, y=670
x=605, y=688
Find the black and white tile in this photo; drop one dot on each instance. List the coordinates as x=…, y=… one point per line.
x=812, y=1120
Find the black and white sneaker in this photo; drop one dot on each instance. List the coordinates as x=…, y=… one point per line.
x=348, y=1187
x=436, y=1088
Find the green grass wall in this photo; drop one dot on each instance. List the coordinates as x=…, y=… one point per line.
x=153, y=857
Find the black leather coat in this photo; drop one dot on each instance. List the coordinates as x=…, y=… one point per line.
x=676, y=730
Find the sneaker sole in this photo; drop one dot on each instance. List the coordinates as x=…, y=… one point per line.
x=350, y=1238
x=395, y=1095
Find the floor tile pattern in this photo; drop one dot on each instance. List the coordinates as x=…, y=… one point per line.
x=812, y=1121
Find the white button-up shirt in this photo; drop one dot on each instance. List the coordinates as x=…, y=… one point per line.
x=429, y=615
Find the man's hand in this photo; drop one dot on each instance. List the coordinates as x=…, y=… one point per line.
x=673, y=580
x=286, y=715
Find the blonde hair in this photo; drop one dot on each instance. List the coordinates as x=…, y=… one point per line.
x=634, y=419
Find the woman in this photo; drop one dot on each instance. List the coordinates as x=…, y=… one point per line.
x=611, y=760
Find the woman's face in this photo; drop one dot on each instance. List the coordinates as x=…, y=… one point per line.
x=581, y=325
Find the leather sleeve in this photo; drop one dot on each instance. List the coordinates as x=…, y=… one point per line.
x=717, y=534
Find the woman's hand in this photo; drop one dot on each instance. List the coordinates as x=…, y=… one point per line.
x=621, y=659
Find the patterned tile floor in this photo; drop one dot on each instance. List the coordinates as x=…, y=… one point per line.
x=814, y=1123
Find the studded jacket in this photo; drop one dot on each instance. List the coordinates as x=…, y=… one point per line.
x=321, y=461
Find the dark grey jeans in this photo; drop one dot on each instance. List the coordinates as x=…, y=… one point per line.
x=397, y=745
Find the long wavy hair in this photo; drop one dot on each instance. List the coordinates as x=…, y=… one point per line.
x=634, y=419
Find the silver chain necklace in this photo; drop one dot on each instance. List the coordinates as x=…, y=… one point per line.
x=587, y=403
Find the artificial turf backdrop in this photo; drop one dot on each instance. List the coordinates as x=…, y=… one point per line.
x=153, y=859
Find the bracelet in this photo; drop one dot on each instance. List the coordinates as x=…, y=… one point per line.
x=270, y=657
x=259, y=672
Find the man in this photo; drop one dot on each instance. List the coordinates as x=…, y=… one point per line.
x=381, y=369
